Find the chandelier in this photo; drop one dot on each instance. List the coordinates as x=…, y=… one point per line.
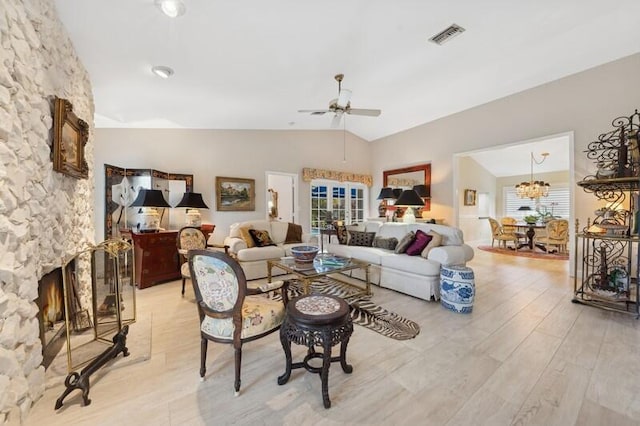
x=533, y=189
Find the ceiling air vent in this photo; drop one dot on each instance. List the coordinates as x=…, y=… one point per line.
x=447, y=34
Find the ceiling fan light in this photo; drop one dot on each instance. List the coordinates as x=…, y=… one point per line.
x=344, y=98
x=162, y=71
x=171, y=8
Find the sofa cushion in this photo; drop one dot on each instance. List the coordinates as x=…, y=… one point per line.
x=294, y=234
x=246, y=236
x=341, y=233
x=419, y=243
x=260, y=253
x=372, y=255
x=405, y=242
x=278, y=232
x=414, y=264
x=436, y=240
x=385, y=243
x=261, y=238
x=363, y=239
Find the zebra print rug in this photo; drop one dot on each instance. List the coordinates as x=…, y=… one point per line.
x=363, y=311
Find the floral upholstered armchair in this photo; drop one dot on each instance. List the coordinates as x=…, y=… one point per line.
x=229, y=311
x=189, y=238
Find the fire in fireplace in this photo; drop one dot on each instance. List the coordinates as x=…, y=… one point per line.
x=52, y=314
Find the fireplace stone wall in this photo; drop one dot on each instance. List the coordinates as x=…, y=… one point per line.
x=45, y=216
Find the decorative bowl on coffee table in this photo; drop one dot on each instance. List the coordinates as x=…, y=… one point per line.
x=304, y=254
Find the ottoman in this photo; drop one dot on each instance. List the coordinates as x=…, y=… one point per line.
x=457, y=288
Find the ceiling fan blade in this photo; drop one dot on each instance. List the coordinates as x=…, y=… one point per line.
x=361, y=111
x=344, y=97
x=335, y=123
x=315, y=111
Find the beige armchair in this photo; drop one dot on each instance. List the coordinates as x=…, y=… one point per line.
x=557, y=235
x=509, y=227
x=498, y=234
x=189, y=238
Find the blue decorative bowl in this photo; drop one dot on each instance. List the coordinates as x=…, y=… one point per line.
x=304, y=254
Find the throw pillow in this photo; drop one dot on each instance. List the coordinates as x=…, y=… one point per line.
x=244, y=233
x=405, y=242
x=420, y=242
x=435, y=242
x=294, y=234
x=261, y=237
x=385, y=243
x=341, y=233
x=363, y=239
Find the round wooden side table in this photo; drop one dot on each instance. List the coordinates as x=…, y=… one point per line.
x=316, y=320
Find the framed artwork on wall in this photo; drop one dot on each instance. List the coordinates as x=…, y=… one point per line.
x=70, y=135
x=235, y=194
x=469, y=197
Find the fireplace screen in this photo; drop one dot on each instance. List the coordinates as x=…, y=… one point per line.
x=85, y=303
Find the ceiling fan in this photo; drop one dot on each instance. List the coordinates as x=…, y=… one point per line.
x=342, y=105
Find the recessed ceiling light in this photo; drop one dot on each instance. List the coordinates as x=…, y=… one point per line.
x=171, y=8
x=162, y=71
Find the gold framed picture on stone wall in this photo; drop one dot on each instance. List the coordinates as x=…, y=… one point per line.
x=70, y=135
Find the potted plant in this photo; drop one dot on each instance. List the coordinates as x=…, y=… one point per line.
x=531, y=219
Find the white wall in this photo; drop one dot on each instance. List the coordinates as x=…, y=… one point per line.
x=473, y=176
x=231, y=153
x=585, y=103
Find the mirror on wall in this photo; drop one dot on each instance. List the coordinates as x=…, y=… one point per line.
x=408, y=177
x=121, y=189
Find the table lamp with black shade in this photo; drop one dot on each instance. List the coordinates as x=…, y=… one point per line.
x=149, y=200
x=409, y=199
x=386, y=193
x=192, y=201
x=425, y=193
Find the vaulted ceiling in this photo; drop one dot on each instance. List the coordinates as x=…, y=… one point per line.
x=252, y=64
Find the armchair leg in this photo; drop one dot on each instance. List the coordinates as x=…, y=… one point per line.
x=203, y=357
x=238, y=364
x=183, y=281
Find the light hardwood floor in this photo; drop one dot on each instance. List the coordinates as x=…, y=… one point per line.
x=526, y=355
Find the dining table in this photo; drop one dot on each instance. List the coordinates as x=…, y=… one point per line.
x=531, y=233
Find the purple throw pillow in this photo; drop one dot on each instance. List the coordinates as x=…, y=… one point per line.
x=419, y=243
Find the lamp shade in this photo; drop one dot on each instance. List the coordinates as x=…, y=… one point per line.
x=422, y=190
x=192, y=200
x=524, y=208
x=409, y=198
x=150, y=198
x=386, y=193
x=396, y=192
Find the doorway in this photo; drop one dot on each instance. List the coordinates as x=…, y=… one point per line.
x=494, y=171
x=281, y=195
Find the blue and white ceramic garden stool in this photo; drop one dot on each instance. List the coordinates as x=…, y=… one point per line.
x=457, y=288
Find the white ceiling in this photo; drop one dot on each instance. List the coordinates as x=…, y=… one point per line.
x=515, y=159
x=252, y=64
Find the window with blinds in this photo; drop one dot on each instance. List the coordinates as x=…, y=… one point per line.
x=557, y=203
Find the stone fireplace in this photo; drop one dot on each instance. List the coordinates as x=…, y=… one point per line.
x=45, y=217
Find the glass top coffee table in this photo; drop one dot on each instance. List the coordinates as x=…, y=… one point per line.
x=325, y=265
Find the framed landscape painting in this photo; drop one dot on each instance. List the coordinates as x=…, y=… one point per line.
x=235, y=194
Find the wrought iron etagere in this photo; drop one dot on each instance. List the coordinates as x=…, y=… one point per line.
x=607, y=249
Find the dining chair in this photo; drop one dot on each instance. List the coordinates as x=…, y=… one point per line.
x=189, y=238
x=509, y=227
x=557, y=235
x=229, y=311
x=498, y=234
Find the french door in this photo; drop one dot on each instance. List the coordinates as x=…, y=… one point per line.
x=331, y=201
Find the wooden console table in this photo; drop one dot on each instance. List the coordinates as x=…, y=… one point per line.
x=156, y=256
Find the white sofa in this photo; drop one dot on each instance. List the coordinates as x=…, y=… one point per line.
x=254, y=260
x=413, y=275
